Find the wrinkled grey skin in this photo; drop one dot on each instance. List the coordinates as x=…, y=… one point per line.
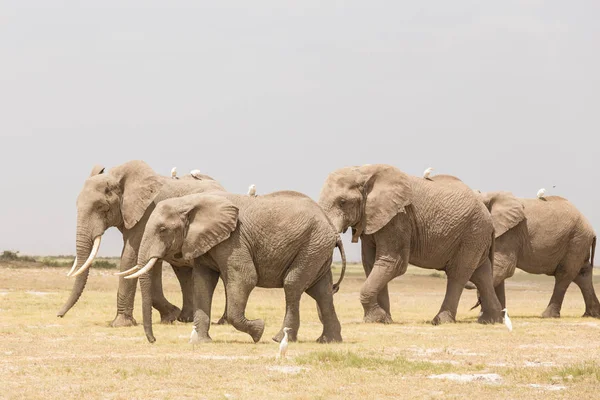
x=282, y=239
x=436, y=224
x=124, y=197
x=543, y=236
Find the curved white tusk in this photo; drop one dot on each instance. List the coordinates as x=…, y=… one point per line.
x=73, y=267
x=90, y=260
x=130, y=270
x=146, y=268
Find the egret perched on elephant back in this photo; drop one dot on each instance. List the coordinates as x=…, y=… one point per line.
x=277, y=240
x=124, y=197
x=541, y=193
x=437, y=223
x=548, y=237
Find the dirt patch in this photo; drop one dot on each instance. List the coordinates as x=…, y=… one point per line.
x=463, y=378
x=551, y=388
x=287, y=369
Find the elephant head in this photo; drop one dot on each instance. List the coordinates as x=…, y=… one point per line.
x=506, y=210
x=181, y=228
x=365, y=198
x=118, y=198
x=185, y=228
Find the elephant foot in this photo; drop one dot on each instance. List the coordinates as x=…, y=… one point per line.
x=492, y=317
x=170, y=316
x=151, y=338
x=332, y=338
x=186, y=315
x=255, y=329
x=443, y=317
x=222, y=320
x=377, y=315
x=551, y=312
x=292, y=336
x=122, y=321
x=592, y=313
x=202, y=339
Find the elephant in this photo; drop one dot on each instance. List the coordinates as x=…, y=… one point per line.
x=279, y=240
x=436, y=223
x=124, y=197
x=545, y=235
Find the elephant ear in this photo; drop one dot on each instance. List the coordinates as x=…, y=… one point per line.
x=506, y=210
x=140, y=185
x=211, y=219
x=97, y=170
x=388, y=191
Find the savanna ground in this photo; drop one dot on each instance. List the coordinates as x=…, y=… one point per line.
x=80, y=356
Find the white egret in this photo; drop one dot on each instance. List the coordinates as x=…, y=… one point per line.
x=427, y=172
x=283, y=345
x=196, y=174
x=252, y=190
x=507, y=321
x=194, y=337
x=541, y=193
x=174, y=173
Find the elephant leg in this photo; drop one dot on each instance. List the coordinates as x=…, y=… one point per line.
x=126, y=291
x=205, y=281
x=322, y=292
x=368, y=260
x=293, y=292
x=447, y=313
x=168, y=312
x=562, y=280
x=223, y=319
x=186, y=281
x=491, y=307
x=586, y=285
x=379, y=277
x=500, y=294
x=238, y=291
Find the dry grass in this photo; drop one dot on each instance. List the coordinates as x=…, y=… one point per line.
x=42, y=356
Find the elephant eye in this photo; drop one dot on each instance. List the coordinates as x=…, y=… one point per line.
x=162, y=228
x=342, y=201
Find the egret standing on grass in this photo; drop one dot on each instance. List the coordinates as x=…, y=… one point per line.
x=427, y=172
x=174, y=173
x=507, y=321
x=194, y=337
x=252, y=190
x=283, y=345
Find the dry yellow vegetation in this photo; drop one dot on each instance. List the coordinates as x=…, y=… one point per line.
x=80, y=356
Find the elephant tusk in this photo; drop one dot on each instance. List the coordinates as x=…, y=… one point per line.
x=90, y=260
x=73, y=267
x=130, y=270
x=146, y=268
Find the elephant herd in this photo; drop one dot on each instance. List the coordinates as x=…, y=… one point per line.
x=286, y=240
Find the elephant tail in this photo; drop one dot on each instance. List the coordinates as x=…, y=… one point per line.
x=491, y=252
x=340, y=245
x=593, y=252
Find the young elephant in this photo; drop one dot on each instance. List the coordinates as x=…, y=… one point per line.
x=543, y=236
x=278, y=240
x=437, y=224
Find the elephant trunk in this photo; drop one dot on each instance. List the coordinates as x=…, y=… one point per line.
x=146, y=286
x=84, y=249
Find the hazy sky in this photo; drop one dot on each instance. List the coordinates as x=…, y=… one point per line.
x=503, y=94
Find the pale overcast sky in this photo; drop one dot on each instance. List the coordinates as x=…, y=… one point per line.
x=503, y=94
